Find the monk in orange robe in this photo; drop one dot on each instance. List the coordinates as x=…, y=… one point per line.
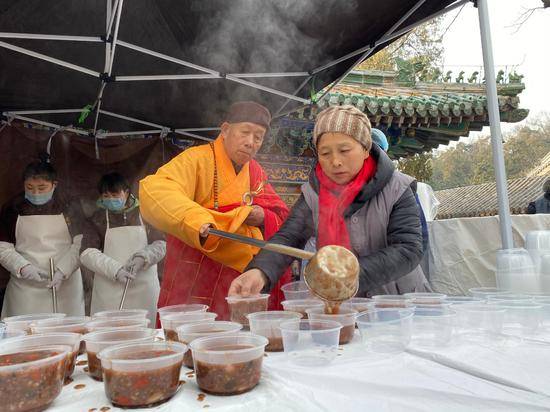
x=217, y=185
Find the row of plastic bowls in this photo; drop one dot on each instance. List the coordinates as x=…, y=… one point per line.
x=38, y=354
x=387, y=323
x=231, y=363
x=137, y=370
x=122, y=351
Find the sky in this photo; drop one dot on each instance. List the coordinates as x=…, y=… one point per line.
x=526, y=48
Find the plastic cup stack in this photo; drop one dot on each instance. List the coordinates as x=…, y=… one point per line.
x=516, y=271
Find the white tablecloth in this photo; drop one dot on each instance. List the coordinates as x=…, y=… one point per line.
x=513, y=375
x=518, y=363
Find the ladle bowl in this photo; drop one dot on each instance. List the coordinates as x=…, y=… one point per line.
x=333, y=274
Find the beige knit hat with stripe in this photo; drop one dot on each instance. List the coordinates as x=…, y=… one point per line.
x=345, y=119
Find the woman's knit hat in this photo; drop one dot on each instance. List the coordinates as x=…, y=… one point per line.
x=345, y=119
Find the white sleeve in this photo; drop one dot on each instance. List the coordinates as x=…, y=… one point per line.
x=152, y=253
x=100, y=263
x=11, y=259
x=70, y=262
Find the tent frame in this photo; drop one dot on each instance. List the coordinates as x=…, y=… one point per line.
x=111, y=41
x=113, y=18
x=505, y=219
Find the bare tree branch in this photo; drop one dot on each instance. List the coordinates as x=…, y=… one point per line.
x=527, y=13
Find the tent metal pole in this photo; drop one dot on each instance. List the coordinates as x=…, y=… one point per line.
x=404, y=18
x=98, y=107
x=108, y=13
x=37, y=36
x=267, y=89
x=166, y=77
x=108, y=113
x=193, y=135
x=132, y=133
x=505, y=219
x=111, y=16
x=49, y=59
x=115, y=36
x=166, y=57
x=344, y=75
x=48, y=124
x=3, y=124
x=213, y=72
x=369, y=51
x=300, y=87
x=206, y=76
x=268, y=75
x=424, y=20
x=45, y=111
x=388, y=37
x=199, y=129
x=118, y=13
x=131, y=119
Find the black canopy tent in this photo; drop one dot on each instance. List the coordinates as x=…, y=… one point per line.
x=177, y=64
x=161, y=66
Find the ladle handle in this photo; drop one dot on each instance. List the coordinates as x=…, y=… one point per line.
x=124, y=294
x=290, y=251
x=262, y=244
x=54, y=292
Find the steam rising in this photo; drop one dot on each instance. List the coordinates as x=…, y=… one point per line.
x=251, y=36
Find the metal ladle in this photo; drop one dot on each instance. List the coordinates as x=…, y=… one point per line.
x=121, y=305
x=54, y=292
x=332, y=273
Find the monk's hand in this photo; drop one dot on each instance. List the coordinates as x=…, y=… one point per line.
x=250, y=283
x=203, y=231
x=256, y=216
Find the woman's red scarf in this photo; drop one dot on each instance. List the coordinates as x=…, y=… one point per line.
x=334, y=199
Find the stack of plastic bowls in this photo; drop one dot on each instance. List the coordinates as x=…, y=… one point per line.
x=537, y=243
x=516, y=271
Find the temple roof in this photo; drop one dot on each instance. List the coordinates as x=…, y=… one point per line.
x=481, y=200
x=543, y=169
x=417, y=115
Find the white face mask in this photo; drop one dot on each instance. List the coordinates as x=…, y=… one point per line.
x=39, y=199
x=114, y=204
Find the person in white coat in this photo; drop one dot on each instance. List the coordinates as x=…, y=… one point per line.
x=129, y=250
x=35, y=227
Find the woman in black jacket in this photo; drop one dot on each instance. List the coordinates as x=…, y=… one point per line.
x=354, y=198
